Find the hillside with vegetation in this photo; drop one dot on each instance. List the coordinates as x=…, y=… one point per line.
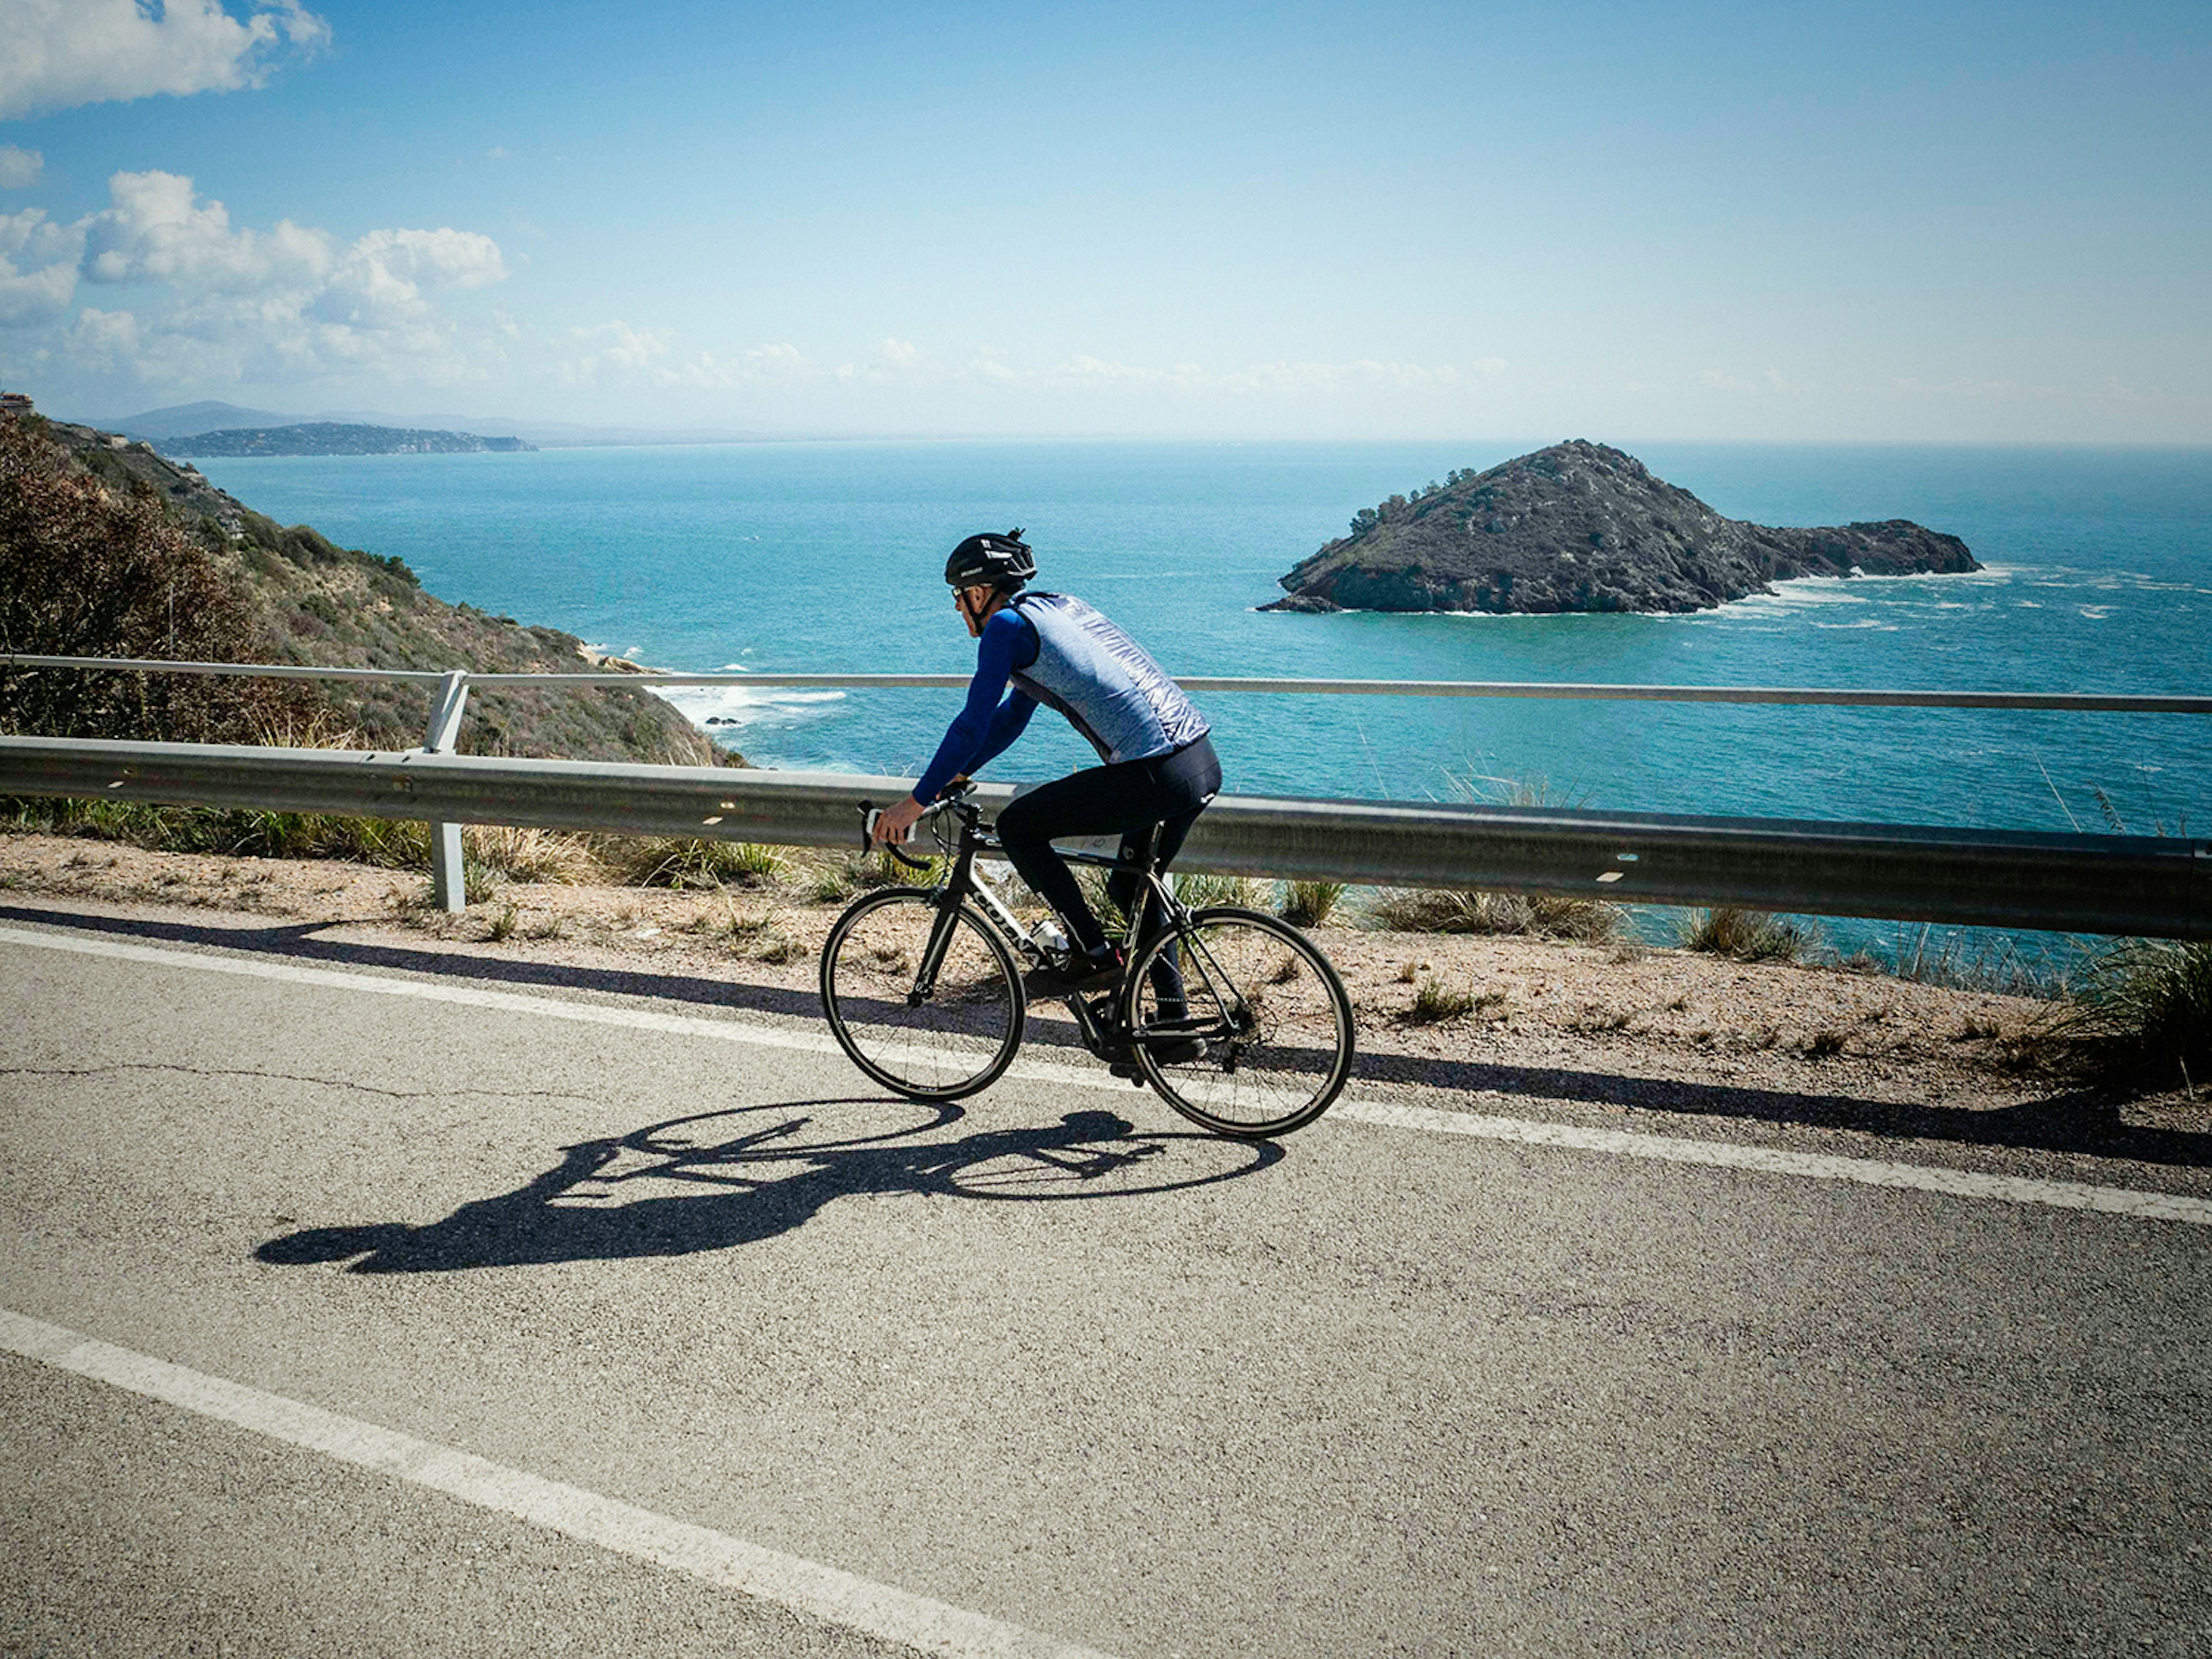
x=339, y=438
x=1583, y=527
x=107, y=548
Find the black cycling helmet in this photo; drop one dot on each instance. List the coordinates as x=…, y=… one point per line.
x=991, y=561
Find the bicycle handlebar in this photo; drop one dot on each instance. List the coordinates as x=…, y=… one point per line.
x=869, y=813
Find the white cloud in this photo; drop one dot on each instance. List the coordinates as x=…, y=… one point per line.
x=62, y=53
x=1772, y=379
x=1276, y=380
x=157, y=231
x=617, y=352
x=899, y=356
x=381, y=279
x=224, y=304
x=37, y=266
x=18, y=167
x=106, y=339
x=894, y=359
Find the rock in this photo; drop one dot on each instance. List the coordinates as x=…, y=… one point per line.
x=1583, y=527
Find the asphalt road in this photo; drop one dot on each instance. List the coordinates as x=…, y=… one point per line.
x=1051, y=1360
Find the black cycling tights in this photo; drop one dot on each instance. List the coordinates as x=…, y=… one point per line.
x=1136, y=798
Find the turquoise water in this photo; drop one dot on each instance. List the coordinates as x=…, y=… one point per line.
x=826, y=557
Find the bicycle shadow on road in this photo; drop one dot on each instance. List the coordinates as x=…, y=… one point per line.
x=748, y=1174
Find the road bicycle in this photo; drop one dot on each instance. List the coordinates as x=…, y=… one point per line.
x=1235, y=1018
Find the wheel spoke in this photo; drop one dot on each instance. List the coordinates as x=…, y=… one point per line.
x=1273, y=1018
x=941, y=1040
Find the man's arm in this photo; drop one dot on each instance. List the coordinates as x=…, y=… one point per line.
x=983, y=727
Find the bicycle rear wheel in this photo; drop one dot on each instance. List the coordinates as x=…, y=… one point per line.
x=938, y=1036
x=1270, y=1017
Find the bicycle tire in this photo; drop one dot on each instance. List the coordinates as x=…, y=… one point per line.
x=954, y=1042
x=1271, y=1011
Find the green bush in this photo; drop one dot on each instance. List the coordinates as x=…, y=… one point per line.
x=233, y=832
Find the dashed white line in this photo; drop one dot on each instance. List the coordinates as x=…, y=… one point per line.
x=806, y=1588
x=1666, y=1149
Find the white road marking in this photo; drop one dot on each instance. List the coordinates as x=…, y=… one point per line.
x=806, y=1588
x=1666, y=1149
x=1816, y=1166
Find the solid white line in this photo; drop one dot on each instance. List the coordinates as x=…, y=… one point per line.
x=806, y=1588
x=1666, y=1149
x=1817, y=1166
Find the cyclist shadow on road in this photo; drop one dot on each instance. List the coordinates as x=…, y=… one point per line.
x=755, y=1173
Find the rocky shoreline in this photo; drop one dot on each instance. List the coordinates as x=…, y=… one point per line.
x=1581, y=527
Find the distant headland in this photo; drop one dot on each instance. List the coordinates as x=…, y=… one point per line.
x=338, y=438
x=1583, y=527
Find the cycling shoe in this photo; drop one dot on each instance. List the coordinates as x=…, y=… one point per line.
x=1177, y=1051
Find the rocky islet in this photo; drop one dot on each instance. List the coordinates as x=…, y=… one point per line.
x=1581, y=527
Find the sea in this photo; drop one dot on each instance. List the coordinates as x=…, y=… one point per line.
x=826, y=556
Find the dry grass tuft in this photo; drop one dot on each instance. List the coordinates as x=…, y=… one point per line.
x=1435, y=1001
x=1452, y=910
x=1728, y=930
x=531, y=855
x=2141, y=1017
x=1203, y=892
x=681, y=861
x=1309, y=904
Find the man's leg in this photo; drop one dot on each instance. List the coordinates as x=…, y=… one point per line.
x=1101, y=801
x=1161, y=843
x=1128, y=799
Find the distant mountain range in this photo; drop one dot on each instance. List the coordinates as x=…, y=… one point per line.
x=337, y=438
x=159, y=426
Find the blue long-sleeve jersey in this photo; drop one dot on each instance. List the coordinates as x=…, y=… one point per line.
x=987, y=725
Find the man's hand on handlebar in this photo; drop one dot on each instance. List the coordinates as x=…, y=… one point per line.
x=893, y=823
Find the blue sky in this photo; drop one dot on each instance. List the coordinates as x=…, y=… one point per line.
x=1914, y=222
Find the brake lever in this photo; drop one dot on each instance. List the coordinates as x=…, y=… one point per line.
x=869, y=814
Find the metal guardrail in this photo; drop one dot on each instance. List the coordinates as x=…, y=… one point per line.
x=2138, y=884
x=2087, y=702
x=2090, y=884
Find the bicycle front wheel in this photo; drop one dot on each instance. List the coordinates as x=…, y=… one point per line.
x=1240, y=1022
x=923, y=998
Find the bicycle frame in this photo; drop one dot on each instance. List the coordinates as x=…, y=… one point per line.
x=962, y=881
x=1195, y=1004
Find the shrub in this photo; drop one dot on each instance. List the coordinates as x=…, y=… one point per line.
x=1200, y=892
x=1434, y=1000
x=1309, y=904
x=532, y=855
x=1452, y=910
x=86, y=571
x=1728, y=930
x=681, y=861
x=2141, y=1015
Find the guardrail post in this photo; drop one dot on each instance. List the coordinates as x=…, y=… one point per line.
x=448, y=881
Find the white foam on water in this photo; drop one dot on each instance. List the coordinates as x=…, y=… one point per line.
x=746, y=705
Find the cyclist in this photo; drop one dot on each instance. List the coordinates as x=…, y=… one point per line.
x=1159, y=770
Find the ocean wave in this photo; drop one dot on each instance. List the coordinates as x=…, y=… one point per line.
x=745, y=705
